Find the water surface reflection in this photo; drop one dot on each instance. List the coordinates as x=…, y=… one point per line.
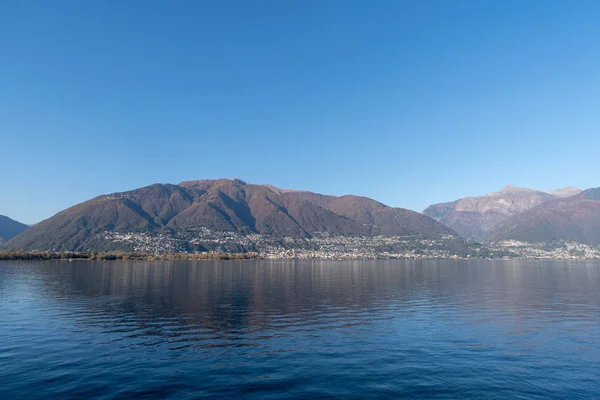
x=439, y=329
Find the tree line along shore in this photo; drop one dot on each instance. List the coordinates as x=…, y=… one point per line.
x=51, y=255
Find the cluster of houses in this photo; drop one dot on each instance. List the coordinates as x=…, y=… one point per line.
x=337, y=247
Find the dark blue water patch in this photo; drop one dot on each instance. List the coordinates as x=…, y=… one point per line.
x=289, y=330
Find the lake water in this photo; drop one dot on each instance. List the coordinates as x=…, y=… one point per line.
x=272, y=330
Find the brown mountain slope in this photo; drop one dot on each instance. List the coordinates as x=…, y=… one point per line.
x=221, y=205
x=576, y=219
x=473, y=217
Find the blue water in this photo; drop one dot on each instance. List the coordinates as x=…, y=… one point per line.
x=306, y=330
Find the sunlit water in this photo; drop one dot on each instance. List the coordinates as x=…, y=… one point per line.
x=271, y=330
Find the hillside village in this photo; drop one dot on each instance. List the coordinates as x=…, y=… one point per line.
x=342, y=247
x=271, y=247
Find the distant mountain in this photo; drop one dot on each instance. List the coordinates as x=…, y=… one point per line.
x=474, y=217
x=575, y=218
x=10, y=228
x=225, y=205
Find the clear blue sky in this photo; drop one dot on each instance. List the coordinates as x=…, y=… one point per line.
x=408, y=102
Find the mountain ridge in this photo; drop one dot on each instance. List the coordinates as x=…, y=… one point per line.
x=473, y=217
x=222, y=205
x=10, y=228
x=575, y=218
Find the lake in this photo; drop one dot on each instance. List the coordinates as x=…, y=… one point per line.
x=300, y=330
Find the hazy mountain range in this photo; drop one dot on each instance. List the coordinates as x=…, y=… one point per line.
x=474, y=217
x=575, y=218
x=10, y=228
x=231, y=205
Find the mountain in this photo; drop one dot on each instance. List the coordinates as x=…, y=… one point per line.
x=474, y=217
x=10, y=228
x=575, y=219
x=224, y=205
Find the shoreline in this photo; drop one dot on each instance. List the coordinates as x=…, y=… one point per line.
x=141, y=256
x=113, y=256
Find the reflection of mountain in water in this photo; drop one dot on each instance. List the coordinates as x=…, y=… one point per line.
x=254, y=330
x=179, y=298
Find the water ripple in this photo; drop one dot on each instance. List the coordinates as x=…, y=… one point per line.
x=439, y=329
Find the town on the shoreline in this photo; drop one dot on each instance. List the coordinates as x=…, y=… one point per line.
x=326, y=246
x=203, y=244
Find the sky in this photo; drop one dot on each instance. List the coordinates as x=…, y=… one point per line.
x=407, y=102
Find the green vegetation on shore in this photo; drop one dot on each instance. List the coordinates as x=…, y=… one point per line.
x=48, y=255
